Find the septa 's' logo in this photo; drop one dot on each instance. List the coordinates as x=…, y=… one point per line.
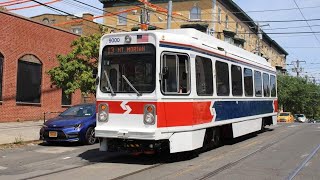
x=125, y=107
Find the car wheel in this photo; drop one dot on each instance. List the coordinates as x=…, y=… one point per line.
x=90, y=136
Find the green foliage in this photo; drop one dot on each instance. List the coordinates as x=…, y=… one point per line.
x=298, y=95
x=75, y=69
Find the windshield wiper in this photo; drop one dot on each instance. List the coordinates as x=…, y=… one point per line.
x=126, y=79
x=109, y=84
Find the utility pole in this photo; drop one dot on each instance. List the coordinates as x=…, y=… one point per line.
x=144, y=16
x=297, y=69
x=169, y=15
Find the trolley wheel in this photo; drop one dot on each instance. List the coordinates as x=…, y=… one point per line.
x=216, y=137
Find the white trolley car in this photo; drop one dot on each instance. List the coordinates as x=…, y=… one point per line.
x=179, y=90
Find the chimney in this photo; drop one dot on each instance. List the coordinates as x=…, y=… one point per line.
x=88, y=16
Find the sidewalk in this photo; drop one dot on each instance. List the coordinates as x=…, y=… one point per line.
x=15, y=132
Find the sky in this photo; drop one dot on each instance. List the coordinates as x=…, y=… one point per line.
x=303, y=47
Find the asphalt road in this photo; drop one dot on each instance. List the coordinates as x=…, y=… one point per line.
x=287, y=151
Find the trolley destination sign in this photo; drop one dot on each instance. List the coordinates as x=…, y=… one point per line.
x=129, y=49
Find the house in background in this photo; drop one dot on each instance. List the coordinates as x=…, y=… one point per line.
x=71, y=23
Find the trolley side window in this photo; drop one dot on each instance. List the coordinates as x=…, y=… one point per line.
x=266, y=87
x=248, y=82
x=236, y=76
x=273, y=86
x=222, y=79
x=204, y=76
x=258, y=83
x=175, y=74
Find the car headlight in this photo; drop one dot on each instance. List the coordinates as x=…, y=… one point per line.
x=149, y=114
x=103, y=112
x=77, y=126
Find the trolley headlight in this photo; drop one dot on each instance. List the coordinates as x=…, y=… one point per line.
x=103, y=112
x=149, y=114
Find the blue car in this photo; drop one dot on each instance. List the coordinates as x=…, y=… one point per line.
x=76, y=124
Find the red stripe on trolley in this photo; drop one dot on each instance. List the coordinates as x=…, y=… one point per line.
x=169, y=114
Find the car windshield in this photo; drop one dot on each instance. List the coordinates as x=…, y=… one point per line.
x=80, y=111
x=284, y=114
x=300, y=115
x=128, y=67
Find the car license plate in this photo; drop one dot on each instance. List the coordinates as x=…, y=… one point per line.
x=53, y=134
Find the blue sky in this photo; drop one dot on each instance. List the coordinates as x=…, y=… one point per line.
x=304, y=47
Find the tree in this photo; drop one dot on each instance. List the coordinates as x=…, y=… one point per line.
x=298, y=95
x=75, y=70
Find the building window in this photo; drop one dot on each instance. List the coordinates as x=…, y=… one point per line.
x=122, y=19
x=1, y=74
x=266, y=85
x=77, y=30
x=236, y=76
x=195, y=13
x=248, y=82
x=45, y=21
x=204, y=76
x=65, y=99
x=229, y=39
x=226, y=23
x=273, y=86
x=222, y=79
x=219, y=15
x=258, y=83
x=29, y=80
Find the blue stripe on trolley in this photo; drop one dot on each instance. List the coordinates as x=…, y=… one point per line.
x=226, y=110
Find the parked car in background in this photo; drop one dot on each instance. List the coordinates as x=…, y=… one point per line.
x=285, y=117
x=301, y=118
x=76, y=124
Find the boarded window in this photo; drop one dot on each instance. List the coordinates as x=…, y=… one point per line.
x=204, y=76
x=29, y=79
x=236, y=76
x=65, y=99
x=222, y=79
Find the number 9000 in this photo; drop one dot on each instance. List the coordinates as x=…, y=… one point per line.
x=114, y=40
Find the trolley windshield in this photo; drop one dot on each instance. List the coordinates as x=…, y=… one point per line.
x=128, y=69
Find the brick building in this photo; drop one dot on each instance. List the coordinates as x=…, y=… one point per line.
x=225, y=20
x=28, y=50
x=71, y=23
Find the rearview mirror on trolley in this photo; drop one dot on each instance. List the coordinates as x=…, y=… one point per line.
x=165, y=72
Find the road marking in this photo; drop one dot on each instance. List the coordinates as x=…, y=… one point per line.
x=303, y=164
x=3, y=168
x=66, y=158
x=55, y=150
x=305, y=155
x=291, y=126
